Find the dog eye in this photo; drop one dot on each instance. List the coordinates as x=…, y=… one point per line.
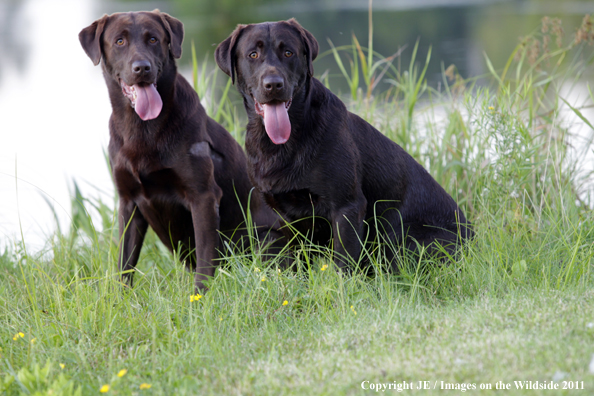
x=120, y=42
x=288, y=53
x=254, y=55
x=152, y=40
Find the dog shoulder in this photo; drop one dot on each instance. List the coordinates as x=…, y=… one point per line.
x=201, y=149
x=323, y=97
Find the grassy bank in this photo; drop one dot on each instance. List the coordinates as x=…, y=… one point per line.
x=517, y=305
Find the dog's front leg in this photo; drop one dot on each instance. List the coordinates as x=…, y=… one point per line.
x=347, y=223
x=133, y=227
x=205, y=217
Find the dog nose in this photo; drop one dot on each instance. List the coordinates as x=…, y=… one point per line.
x=142, y=66
x=273, y=83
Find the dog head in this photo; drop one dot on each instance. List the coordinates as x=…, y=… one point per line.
x=134, y=48
x=271, y=61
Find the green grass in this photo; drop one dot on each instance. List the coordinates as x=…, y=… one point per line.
x=517, y=305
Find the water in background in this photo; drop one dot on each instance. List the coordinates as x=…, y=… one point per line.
x=53, y=102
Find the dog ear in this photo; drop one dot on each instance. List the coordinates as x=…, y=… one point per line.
x=310, y=43
x=90, y=39
x=175, y=28
x=225, y=52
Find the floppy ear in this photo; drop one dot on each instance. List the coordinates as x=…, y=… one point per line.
x=310, y=43
x=225, y=52
x=175, y=28
x=90, y=39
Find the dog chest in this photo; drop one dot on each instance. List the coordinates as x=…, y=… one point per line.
x=297, y=203
x=163, y=184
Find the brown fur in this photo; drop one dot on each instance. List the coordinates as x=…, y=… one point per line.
x=181, y=173
x=334, y=165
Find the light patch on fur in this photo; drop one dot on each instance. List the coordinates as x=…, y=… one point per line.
x=201, y=149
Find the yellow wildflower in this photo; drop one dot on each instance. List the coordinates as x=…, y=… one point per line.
x=256, y=269
x=33, y=341
x=18, y=335
x=285, y=302
x=62, y=365
x=195, y=298
x=353, y=309
x=122, y=372
x=491, y=108
x=104, y=388
x=263, y=279
x=324, y=267
x=144, y=386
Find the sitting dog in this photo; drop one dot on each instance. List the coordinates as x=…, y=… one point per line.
x=174, y=167
x=309, y=156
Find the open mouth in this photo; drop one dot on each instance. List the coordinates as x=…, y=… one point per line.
x=144, y=98
x=276, y=119
x=260, y=107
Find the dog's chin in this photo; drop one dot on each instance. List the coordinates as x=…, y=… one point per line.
x=144, y=98
x=275, y=115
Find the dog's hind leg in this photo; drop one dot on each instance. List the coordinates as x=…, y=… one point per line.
x=436, y=243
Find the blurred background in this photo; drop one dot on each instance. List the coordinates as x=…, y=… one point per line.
x=54, y=107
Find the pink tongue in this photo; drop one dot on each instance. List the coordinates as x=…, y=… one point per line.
x=276, y=122
x=148, y=102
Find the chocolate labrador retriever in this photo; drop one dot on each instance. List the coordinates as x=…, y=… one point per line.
x=174, y=167
x=309, y=156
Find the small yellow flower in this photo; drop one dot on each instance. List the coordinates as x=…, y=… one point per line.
x=256, y=269
x=285, y=302
x=104, y=388
x=192, y=298
x=353, y=309
x=62, y=365
x=263, y=279
x=324, y=267
x=33, y=341
x=122, y=372
x=220, y=318
x=21, y=334
x=18, y=335
x=144, y=386
x=491, y=108
x=195, y=298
